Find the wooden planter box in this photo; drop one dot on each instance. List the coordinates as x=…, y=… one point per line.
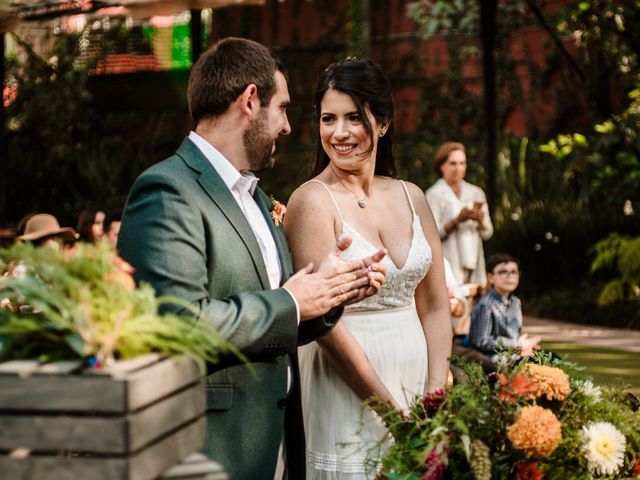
x=131, y=421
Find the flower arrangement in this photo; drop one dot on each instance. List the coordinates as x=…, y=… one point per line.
x=531, y=421
x=83, y=304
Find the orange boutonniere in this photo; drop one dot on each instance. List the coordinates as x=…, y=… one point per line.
x=278, y=211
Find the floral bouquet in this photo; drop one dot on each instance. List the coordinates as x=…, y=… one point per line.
x=83, y=304
x=530, y=421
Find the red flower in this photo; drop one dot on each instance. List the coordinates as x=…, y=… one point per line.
x=519, y=386
x=636, y=466
x=432, y=401
x=528, y=471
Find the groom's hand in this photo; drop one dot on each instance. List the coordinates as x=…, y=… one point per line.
x=335, y=283
x=376, y=271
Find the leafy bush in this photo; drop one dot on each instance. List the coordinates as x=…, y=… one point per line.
x=620, y=254
x=82, y=303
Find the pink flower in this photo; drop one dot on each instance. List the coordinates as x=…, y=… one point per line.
x=434, y=466
x=122, y=275
x=9, y=94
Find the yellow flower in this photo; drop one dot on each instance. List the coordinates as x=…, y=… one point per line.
x=551, y=382
x=536, y=431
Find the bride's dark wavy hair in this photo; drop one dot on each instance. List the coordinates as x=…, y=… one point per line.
x=367, y=86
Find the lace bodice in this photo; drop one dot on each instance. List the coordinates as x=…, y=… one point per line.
x=400, y=284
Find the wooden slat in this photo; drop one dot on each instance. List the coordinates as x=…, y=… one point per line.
x=51, y=433
x=125, y=366
x=72, y=393
x=146, y=465
x=20, y=368
x=195, y=467
x=58, y=368
x=104, y=435
x=119, y=393
x=152, y=422
x=146, y=386
x=151, y=462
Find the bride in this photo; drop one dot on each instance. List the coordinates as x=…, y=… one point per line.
x=394, y=345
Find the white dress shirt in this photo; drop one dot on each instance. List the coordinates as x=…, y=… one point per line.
x=242, y=185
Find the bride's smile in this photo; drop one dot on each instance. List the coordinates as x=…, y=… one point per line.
x=342, y=131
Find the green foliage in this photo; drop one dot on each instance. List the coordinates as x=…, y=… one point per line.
x=62, y=155
x=605, y=165
x=620, y=255
x=462, y=16
x=52, y=111
x=604, y=31
x=466, y=430
x=82, y=303
x=449, y=108
x=357, y=30
x=578, y=303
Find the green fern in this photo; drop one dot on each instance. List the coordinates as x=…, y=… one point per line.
x=618, y=255
x=78, y=304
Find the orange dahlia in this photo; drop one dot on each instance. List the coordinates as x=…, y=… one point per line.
x=551, y=382
x=536, y=431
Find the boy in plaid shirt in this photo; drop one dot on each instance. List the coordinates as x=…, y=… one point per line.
x=496, y=320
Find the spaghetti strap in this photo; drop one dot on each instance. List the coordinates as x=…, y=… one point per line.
x=406, y=190
x=330, y=194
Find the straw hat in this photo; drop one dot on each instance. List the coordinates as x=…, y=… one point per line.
x=45, y=225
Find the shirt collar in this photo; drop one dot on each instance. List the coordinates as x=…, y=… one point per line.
x=232, y=178
x=496, y=296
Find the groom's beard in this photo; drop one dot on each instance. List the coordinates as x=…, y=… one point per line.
x=258, y=144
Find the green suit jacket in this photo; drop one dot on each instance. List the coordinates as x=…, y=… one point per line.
x=184, y=233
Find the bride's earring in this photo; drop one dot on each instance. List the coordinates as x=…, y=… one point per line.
x=381, y=133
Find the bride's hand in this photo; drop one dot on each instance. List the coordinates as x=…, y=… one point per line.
x=377, y=274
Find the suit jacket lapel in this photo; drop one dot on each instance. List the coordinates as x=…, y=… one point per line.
x=217, y=190
x=264, y=202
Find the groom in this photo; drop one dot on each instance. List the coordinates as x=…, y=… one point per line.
x=196, y=226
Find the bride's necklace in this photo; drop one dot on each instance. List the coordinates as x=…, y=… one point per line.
x=362, y=202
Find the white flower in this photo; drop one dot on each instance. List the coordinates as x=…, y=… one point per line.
x=603, y=446
x=587, y=388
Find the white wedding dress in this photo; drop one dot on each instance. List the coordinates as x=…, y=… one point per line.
x=339, y=432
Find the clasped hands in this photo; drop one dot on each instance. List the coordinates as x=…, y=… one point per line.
x=474, y=213
x=336, y=282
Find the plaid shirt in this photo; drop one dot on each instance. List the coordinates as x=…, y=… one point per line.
x=496, y=323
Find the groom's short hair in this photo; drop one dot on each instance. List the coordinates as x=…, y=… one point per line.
x=223, y=72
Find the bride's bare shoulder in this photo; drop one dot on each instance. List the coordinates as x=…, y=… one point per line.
x=310, y=210
x=309, y=196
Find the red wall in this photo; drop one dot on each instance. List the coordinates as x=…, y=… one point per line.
x=309, y=34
